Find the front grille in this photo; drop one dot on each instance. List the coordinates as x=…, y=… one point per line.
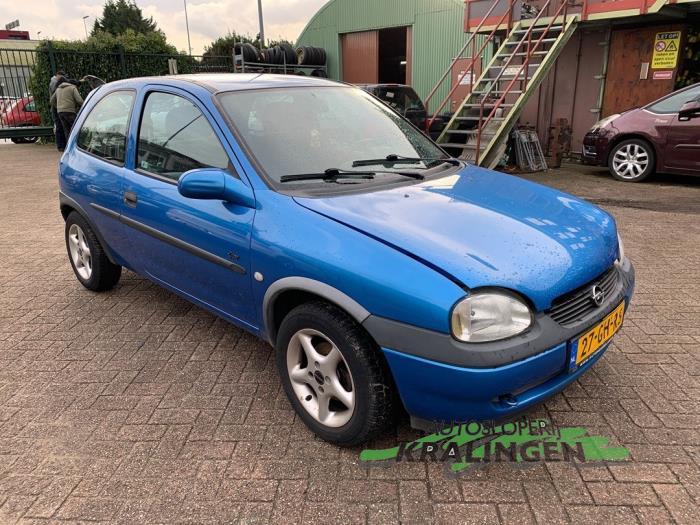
x=572, y=307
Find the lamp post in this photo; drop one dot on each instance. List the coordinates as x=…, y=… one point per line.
x=38, y=35
x=85, y=25
x=187, y=25
x=262, y=26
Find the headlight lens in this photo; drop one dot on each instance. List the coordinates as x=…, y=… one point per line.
x=489, y=317
x=604, y=122
x=621, y=248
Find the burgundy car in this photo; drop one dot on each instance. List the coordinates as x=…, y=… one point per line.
x=663, y=136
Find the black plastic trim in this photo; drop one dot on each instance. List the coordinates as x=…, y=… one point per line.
x=174, y=241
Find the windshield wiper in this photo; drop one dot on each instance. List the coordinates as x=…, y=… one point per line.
x=393, y=159
x=329, y=175
x=333, y=174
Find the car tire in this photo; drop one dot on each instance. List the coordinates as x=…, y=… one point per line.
x=632, y=160
x=347, y=364
x=90, y=264
x=290, y=55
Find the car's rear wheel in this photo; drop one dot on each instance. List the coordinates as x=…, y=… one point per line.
x=90, y=264
x=632, y=160
x=333, y=374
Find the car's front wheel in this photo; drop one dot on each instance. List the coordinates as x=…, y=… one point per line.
x=632, y=160
x=90, y=264
x=333, y=374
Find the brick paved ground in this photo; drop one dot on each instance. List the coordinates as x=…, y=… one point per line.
x=134, y=406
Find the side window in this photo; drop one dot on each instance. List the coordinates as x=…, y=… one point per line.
x=673, y=103
x=175, y=137
x=104, y=131
x=30, y=107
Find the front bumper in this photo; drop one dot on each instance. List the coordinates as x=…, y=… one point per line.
x=437, y=390
x=595, y=149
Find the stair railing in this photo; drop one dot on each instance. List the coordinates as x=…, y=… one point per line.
x=531, y=50
x=469, y=69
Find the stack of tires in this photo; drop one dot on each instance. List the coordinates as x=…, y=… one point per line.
x=249, y=51
x=285, y=54
x=312, y=56
x=281, y=54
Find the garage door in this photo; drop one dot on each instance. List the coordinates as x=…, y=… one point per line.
x=631, y=80
x=360, y=57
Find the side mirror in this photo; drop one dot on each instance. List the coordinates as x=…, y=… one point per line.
x=215, y=184
x=690, y=109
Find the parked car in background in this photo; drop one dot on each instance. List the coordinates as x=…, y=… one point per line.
x=5, y=103
x=382, y=271
x=662, y=137
x=405, y=101
x=22, y=112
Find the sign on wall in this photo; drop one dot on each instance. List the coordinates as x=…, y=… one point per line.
x=666, y=47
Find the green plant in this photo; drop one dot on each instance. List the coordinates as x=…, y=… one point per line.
x=106, y=56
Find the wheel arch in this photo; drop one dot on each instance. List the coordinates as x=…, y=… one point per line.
x=287, y=293
x=631, y=136
x=68, y=205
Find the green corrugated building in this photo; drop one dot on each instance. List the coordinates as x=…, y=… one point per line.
x=386, y=41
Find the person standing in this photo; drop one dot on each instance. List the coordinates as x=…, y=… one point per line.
x=60, y=135
x=67, y=100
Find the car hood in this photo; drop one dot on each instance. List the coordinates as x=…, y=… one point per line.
x=483, y=228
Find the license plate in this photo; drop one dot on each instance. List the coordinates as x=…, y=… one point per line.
x=590, y=342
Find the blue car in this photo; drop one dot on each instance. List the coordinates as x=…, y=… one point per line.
x=386, y=275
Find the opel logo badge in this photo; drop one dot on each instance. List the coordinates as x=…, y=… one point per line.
x=597, y=295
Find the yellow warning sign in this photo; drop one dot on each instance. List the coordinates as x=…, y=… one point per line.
x=666, y=50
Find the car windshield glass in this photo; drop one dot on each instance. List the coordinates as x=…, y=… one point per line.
x=293, y=131
x=673, y=103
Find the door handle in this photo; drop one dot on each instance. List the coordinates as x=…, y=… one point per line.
x=130, y=199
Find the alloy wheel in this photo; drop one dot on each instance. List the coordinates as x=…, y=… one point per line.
x=630, y=161
x=320, y=378
x=80, y=251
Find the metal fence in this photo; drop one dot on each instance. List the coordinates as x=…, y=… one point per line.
x=25, y=74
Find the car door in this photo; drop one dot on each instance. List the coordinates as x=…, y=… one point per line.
x=683, y=144
x=198, y=248
x=681, y=150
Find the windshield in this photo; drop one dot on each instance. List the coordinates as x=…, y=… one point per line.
x=294, y=131
x=401, y=99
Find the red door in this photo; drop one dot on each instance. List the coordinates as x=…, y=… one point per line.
x=360, y=57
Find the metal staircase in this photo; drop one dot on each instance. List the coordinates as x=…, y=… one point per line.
x=480, y=125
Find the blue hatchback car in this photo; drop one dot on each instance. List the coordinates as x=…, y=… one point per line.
x=382, y=271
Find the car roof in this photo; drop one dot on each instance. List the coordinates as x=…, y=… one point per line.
x=216, y=82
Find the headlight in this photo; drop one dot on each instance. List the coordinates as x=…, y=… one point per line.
x=604, y=122
x=489, y=316
x=621, y=248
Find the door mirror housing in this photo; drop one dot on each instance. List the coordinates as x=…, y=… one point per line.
x=690, y=109
x=215, y=184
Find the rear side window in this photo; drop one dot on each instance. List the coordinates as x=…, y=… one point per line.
x=175, y=137
x=104, y=131
x=400, y=98
x=674, y=103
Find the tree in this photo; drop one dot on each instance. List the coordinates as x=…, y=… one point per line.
x=223, y=46
x=120, y=15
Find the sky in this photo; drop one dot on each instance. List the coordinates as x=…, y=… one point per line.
x=209, y=19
